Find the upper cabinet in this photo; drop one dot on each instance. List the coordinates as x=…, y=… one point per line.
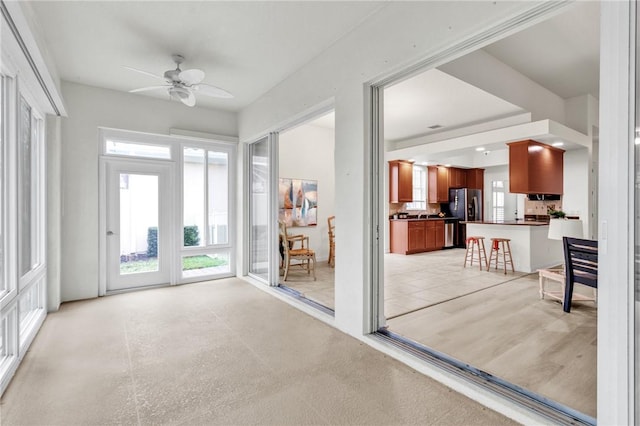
x=400, y=181
x=475, y=179
x=438, y=184
x=535, y=168
x=441, y=179
x=457, y=178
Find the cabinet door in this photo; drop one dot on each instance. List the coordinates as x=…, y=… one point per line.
x=430, y=242
x=439, y=234
x=405, y=182
x=443, y=185
x=416, y=236
x=400, y=181
x=457, y=178
x=475, y=179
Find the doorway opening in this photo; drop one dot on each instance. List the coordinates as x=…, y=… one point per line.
x=306, y=210
x=493, y=321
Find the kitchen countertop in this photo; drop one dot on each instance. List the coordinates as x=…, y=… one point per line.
x=509, y=222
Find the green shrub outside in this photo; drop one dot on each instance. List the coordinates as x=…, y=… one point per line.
x=191, y=238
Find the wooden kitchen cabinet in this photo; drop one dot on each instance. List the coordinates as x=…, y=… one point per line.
x=457, y=178
x=535, y=168
x=400, y=181
x=416, y=236
x=475, y=179
x=435, y=235
x=438, y=184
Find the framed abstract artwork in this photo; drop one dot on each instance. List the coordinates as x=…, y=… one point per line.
x=298, y=202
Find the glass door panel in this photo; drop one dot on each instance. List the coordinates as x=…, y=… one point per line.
x=138, y=224
x=259, y=212
x=139, y=233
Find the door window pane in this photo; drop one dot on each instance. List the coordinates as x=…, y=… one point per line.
x=259, y=209
x=139, y=236
x=218, y=197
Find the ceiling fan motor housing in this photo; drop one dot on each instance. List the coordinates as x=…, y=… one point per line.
x=179, y=92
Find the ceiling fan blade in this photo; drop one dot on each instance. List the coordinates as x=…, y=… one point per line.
x=191, y=77
x=144, y=89
x=190, y=100
x=216, y=92
x=146, y=73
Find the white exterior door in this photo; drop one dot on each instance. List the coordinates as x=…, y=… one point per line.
x=138, y=236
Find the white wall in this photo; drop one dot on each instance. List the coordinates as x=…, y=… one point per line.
x=399, y=34
x=89, y=108
x=576, y=194
x=307, y=152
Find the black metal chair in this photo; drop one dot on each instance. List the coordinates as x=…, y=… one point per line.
x=581, y=266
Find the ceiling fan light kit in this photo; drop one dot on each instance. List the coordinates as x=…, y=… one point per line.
x=181, y=85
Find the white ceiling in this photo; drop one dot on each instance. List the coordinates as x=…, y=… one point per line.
x=434, y=98
x=249, y=47
x=245, y=48
x=561, y=54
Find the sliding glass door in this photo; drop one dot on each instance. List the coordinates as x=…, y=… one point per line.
x=261, y=227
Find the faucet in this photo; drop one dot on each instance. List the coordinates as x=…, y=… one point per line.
x=423, y=213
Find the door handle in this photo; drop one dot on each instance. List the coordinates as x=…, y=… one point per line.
x=109, y=232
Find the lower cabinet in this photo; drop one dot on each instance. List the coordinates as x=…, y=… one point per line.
x=416, y=236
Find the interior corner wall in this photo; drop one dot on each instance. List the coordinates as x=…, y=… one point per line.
x=307, y=152
x=89, y=108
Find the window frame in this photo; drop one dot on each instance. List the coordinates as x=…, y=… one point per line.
x=421, y=204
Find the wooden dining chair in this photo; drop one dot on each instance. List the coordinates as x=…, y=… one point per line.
x=332, y=241
x=581, y=266
x=296, y=252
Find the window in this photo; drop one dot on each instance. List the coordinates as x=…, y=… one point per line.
x=206, y=197
x=3, y=144
x=497, y=189
x=138, y=150
x=419, y=189
x=205, y=212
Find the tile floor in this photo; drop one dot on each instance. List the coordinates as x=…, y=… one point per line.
x=221, y=352
x=490, y=320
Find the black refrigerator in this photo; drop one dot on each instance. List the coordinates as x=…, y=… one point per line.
x=466, y=205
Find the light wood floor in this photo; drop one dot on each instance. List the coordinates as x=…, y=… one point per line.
x=490, y=320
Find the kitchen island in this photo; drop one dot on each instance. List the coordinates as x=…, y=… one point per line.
x=531, y=249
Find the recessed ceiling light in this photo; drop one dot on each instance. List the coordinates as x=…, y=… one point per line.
x=557, y=143
x=480, y=148
x=435, y=126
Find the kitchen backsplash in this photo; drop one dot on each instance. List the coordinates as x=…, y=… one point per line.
x=401, y=207
x=541, y=207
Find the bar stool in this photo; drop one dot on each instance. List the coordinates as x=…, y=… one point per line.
x=496, y=244
x=475, y=244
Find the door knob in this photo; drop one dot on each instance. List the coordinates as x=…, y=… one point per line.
x=109, y=232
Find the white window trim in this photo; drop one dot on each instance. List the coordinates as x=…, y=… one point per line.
x=177, y=145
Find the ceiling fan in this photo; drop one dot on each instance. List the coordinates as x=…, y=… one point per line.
x=182, y=85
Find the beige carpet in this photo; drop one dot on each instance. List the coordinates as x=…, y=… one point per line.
x=222, y=352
